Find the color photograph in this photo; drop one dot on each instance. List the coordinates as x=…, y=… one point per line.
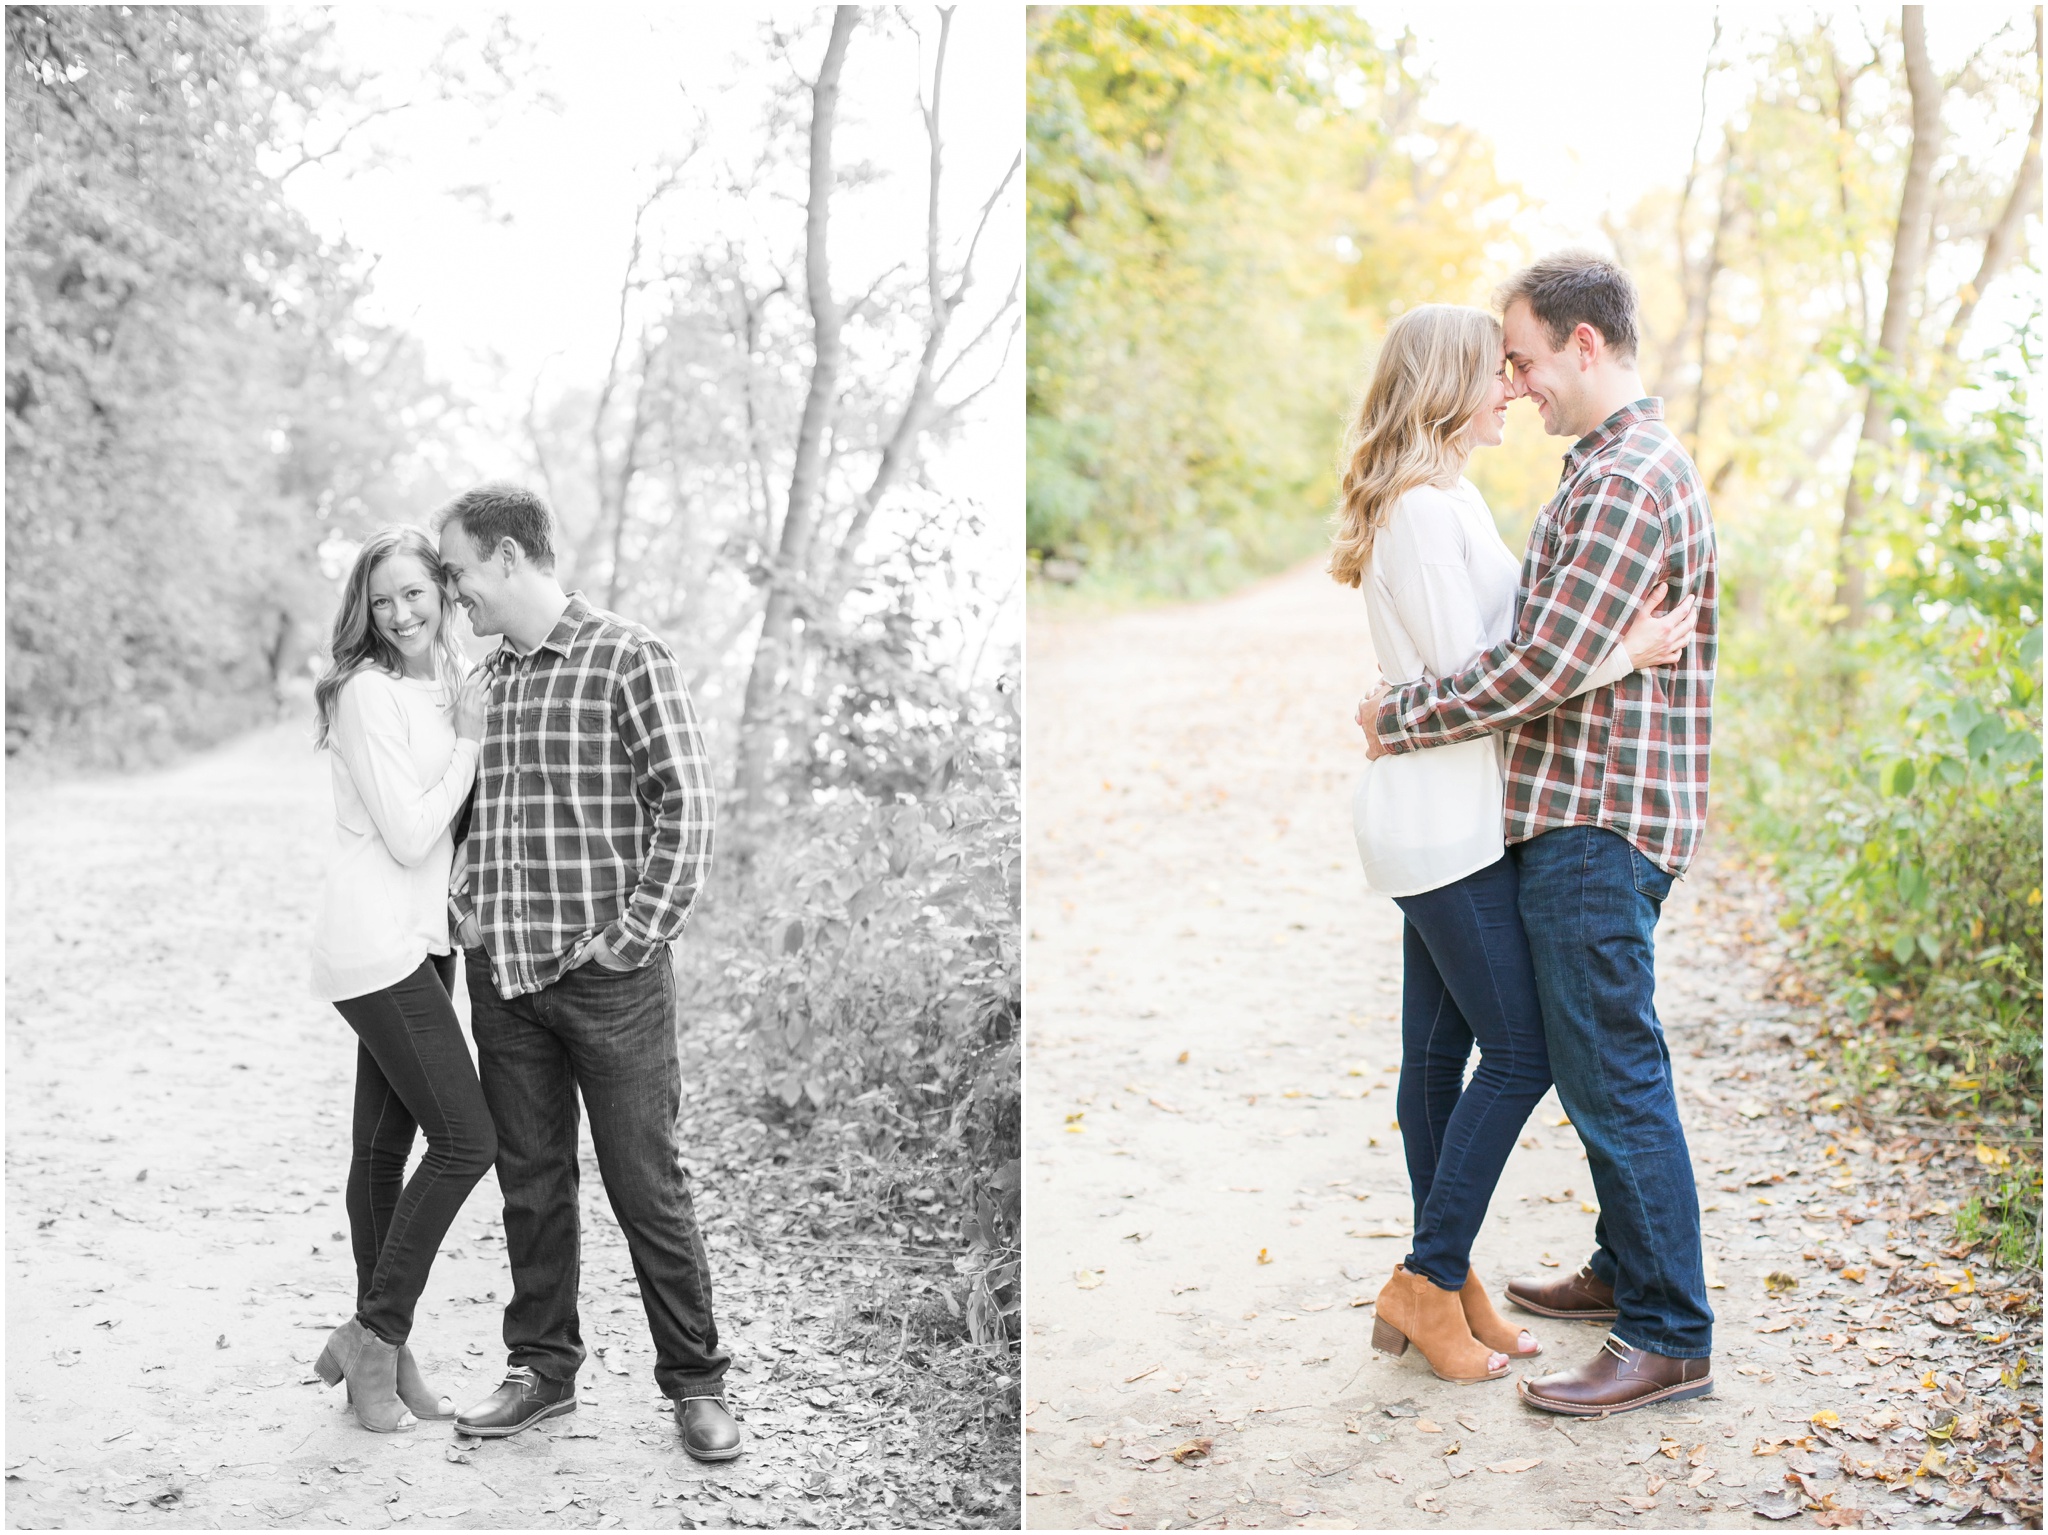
x=1533, y=771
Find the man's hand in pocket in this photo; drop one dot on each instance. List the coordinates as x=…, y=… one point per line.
x=600, y=954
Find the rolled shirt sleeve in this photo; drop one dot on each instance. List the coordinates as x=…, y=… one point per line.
x=658, y=727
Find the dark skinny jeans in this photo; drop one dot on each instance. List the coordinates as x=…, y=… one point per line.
x=413, y=1072
x=1466, y=976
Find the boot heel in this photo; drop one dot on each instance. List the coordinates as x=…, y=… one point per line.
x=1387, y=1338
x=328, y=1367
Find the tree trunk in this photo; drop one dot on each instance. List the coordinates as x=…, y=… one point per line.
x=778, y=622
x=2004, y=240
x=1909, y=256
x=901, y=440
x=1710, y=274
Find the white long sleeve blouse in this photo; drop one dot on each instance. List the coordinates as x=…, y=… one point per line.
x=1440, y=590
x=400, y=773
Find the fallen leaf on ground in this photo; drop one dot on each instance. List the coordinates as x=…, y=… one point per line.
x=1263, y=1257
x=1424, y=1426
x=1088, y=1279
x=1192, y=1449
x=1426, y=1501
x=1778, y=1282
x=1512, y=1467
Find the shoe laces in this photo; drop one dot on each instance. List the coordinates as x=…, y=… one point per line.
x=1616, y=1347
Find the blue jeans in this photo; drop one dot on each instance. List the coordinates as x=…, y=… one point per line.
x=611, y=1035
x=1590, y=903
x=1465, y=977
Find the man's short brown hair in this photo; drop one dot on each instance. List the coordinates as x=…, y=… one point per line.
x=1574, y=288
x=497, y=510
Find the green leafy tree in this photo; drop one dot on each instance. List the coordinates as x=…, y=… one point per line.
x=1225, y=205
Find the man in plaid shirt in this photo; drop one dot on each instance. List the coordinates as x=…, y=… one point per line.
x=1606, y=798
x=590, y=839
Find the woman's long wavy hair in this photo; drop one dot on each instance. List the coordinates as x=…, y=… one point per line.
x=1433, y=373
x=356, y=641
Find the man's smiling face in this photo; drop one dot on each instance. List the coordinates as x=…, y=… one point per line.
x=1550, y=378
x=476, y=579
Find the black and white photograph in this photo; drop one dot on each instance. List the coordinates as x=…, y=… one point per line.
x=514, y=591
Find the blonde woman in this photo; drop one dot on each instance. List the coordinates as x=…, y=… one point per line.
x=402, y=717
x=1439, y=591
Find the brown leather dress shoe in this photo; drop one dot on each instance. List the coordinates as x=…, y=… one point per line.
x=1581, y=1298
x=1618, y=1379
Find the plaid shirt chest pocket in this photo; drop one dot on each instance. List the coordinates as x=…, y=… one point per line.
x=570, y=737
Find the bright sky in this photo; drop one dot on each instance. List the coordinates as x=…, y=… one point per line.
x=1589, y=106
x=524, y=281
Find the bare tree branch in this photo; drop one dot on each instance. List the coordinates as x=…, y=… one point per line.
x=2004, y=240
x=348, y=131
x=777, y=624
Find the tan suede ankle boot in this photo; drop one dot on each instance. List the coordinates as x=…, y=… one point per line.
x=1489, y=1327
x=1412, y=1310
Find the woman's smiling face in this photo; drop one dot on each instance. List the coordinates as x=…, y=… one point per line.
x=406, y=607
x=1490, y=420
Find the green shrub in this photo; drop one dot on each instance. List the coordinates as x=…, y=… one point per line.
x=1893, y=776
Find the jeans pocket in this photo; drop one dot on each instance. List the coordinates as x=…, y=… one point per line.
x=1650, y=880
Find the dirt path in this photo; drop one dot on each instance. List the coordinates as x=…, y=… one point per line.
x=177, y=1137
x=1216, y=1191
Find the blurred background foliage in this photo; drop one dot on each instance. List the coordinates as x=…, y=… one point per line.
x=202, y=421
x=1227, y=205
x=1222, y=205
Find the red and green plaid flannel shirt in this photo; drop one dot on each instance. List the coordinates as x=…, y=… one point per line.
x=593, y=802
x=1628, y=524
